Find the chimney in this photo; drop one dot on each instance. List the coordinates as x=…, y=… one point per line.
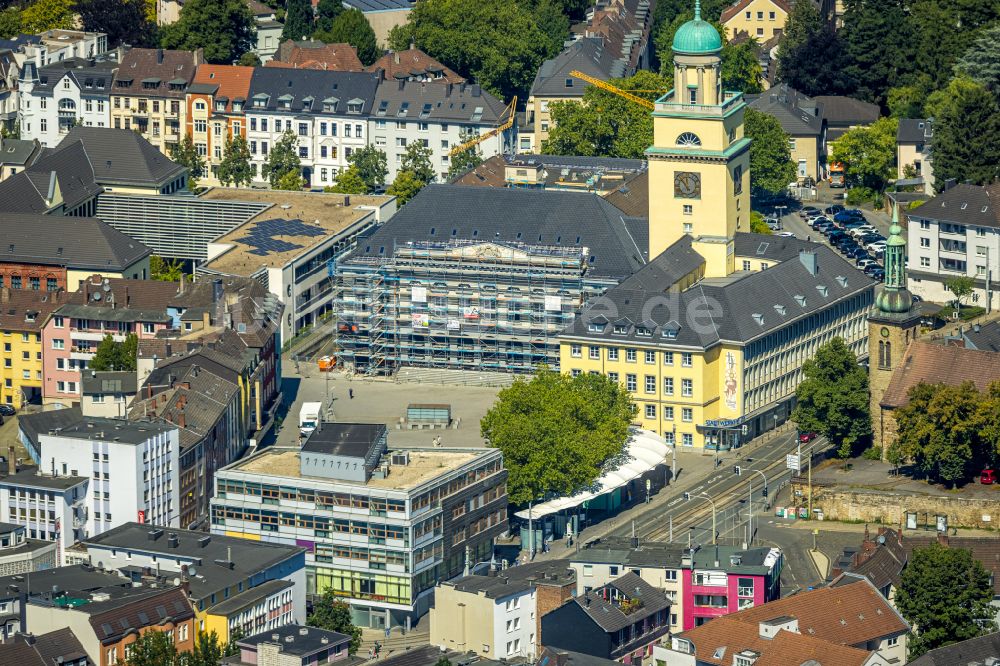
x=11, y=460
x=449, y=88
x=347, y=200
x=172, y=541
x=476, y=90
x=159, y=56
x=402, y=83
x=22, y=611
x=181, y=420
x=810, y=260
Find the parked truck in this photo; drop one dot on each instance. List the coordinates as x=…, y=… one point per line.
x=309, y=417
x=837, y=174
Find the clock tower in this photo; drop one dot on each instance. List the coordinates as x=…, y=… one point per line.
x=892, y=325
x=699, y=163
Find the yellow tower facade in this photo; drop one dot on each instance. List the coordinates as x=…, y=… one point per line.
x=699, y=163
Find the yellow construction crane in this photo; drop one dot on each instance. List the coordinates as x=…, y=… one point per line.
x=604, y=85
x=502, y=127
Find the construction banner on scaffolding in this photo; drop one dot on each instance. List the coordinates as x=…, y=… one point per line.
x=553, y=303
x=421, y=319
x=419, y=294
x=470, y=312
x=454, y=325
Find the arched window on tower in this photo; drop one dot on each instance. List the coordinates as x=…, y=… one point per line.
x=884, y=355
x=688, y=139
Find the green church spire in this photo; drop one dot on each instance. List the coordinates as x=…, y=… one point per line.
x=893, y=295
x=697, y=10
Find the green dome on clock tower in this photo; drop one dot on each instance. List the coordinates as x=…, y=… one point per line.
x=697, y=37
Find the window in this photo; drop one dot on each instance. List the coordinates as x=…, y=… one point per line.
x=668, y=386
x=650, y=411
x=613, y=376
x=688, y=209
x=688, y=227
x=687, y=439
x=58, y=343
x=687, y=388
x=650, y=356
x=770, y=15
x=630, y=355
x=303, y=129
x=670, y=574
x=791, y=144
x=650, y=383
x=746, y=265
x=45, y=124
x=925, y=242
x=595, y=353
x=981, y=251
x=892, y=642
x=576, y=351
x=303, y=151
x=200, y=125
x=668, y=358
x=686, y=359
x=924, y=224
x=612, y=353
x=925, y=262
x=630, y=382
x=668, y=413
x=687, y=414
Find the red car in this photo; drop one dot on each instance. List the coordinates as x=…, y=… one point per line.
x=806, y=437
x=988, y=477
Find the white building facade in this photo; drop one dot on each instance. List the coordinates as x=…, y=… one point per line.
x=54, y=99
x=51, y=508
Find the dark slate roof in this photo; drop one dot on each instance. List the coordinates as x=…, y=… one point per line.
x=18, y=151
x=30, y=478
x=92, y=77
x=608, y=616
x=984, y=338
x=727, y=307
x=770, y=247
x=516, y=580
x=840, y=110
x=75, y=242
x=436, y=103
x=304, y=640
x=973, y=652
x=587, y=55
x=108, y=382
x=113, y=619
x=915, y=130
x=973, y=205
x=344, y=439
x=318, y=84
x=516, y=216
x=249, y=597
x=27, y=192
x=105, y=429
x=121, y=156
x=620, y=551
x=77, y=578
x=671, y=265
x=162, y=65
x=550, y=656
x=31, y=425
x=380, y=5
x=792, y=109
x=56, y=647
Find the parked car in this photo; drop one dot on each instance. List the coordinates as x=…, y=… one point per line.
x=7, y=410
x=816, y=221
x=786, y=234
x=873, y=269
x=833, y=210
x=871, y=238
x=858, y=232
x=853, y=224
x=806, y=211
x=878, y=274
x=848, y=215
x=877, y=246
x=865, y=262
x=806, y=437
x=987, y=477
x=825, y=227
x=773, y=223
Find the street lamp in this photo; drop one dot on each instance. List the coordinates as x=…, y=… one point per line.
x=688, y=496
x=738, y=471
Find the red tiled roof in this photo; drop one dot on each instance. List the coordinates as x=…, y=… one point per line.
x=15, y=304
x=739, y=6
x=930, y=363
x=726, y=637
x=233, y=80
x=316, y=55
x=413, y=62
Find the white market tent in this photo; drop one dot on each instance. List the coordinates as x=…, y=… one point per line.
x=644, y=451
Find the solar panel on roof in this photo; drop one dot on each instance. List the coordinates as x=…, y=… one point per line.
x=106, y=628
x=143, y=617
x=262, y=236
x=161, y=611
x=179, y=607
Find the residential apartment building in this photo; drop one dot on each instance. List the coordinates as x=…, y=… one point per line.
x=622, y=620
x=326, y=111
x=847, y=622
x=60, y=646
x=498, y=616
x=291, y=645
x=412, y=64
x=312, y=54
x=148, y=94
x=16, y=155
x=232, y=584
x=132, y=468
x=107, y=625
x=107, y=393
x=9, y=95
x=956, y=233
x=215, y=112
x=50, y=506
x=20, y=554
x=438, y=117
x=22, y=315
x=802, y=119
x=760, y=19
x=914, y=138
x=60, y=96
x=268, y=30
x=380, y=527
x=56, y=45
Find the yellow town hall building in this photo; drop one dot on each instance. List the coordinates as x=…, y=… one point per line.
x=711, y=333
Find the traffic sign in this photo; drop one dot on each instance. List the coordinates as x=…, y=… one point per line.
x=792, y=462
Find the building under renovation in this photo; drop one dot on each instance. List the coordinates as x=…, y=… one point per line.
x=479, y=278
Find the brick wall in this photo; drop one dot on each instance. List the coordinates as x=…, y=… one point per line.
x=547, y=599
x=890, y=508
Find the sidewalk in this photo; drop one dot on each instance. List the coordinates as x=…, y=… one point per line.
x=397, y=641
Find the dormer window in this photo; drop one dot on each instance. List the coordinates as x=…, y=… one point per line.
x=382, y=107
x=621, y=329
x=285, y=101
x=330, y=104
x=355, y=105
x=237, y=106
x=260, y=101
x=307, y=103
x=220, y=106
x=670, y=331
x=404, y=108
x=644, y=332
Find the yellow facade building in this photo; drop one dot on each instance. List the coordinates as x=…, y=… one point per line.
x=22, y=315
x=711, y=334
x=760, y=19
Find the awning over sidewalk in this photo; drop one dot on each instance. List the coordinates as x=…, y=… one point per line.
x=645, y=450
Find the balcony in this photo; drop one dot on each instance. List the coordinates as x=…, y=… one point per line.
x=94, y=336
x=81, y=353
x=670, y=104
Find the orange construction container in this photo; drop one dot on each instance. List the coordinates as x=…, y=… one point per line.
x=326, y=363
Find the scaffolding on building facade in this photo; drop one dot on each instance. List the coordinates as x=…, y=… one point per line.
x=460, y=304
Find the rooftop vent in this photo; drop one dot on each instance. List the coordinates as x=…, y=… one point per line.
x=173, y=541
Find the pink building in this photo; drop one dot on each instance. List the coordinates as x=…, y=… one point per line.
x=293, y=643
x=720, y=580
x=101, y=307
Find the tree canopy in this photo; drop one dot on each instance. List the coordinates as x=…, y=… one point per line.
x=464, y=161
x=557, y=432
x=945, y=594
x=334, y=614
x=372, y=166
x=165, y=271
x=112, y=355
x=949, y=433
x=185, y=154
x=349, y=181
x=326, y=12
x=283, y=160
x=298, y=20
x=832, y=399
x=771, y=166
x=225, y=29
x=417, y=159
x=405, y=187
x=351, y=27
x=124, y=21
x=869, y=154
x=10, y=22
x=981, y=61
x=43, y=15
x=234, y=169
x=967, y=135
x=605, y=124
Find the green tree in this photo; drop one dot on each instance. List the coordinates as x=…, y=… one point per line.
x=832, y=399
x=757, y=223
x=741, y=69
x=442, y=661
x=869, y=154
x=165, y=271
x=405, y=187
x=961, y=286
x=249, y=59
x=497, y=43
x=877, y=46
x=557, y=432
x=372, y=165
x=771, y=166
x=153, y=648
x=349, y=182
x=981, y=62
x=334, y=614
x=105, y=356
x=946, y=595
x=417, y=159
x=810, y=54
x=234, y=169
x=906, y=101
x=10, y=22
x=351, y=27
x=225, y=29
x=326, y=12
x=44, y=15
x=942, y=430
x=128, y=352
x=207, y=651
x=944, y=30
x=464, y=161
x=605, y=124
x=967, y=136
x=236, y=634
x=185, y=154
x=283, y=159
x=291, y=181
x=552, y=21
x=124, y=21
x=298, y=20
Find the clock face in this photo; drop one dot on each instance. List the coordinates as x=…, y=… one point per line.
x=885, y=332
x=687, y=185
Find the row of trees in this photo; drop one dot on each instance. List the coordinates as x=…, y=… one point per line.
x=916, y=59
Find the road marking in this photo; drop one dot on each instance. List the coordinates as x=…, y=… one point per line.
x=674, y=501
x=697, y=488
